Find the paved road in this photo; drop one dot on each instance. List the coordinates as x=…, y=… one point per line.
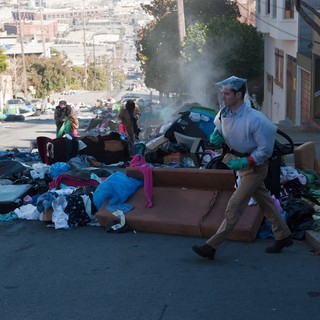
x=21, y=134
x=87, y=273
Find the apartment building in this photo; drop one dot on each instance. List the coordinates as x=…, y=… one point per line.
x=48, y=30
x=291, y=72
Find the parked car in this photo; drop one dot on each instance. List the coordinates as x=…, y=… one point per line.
x=131, y=96
x=13, y=106
x=27, y=107
x=37, y=103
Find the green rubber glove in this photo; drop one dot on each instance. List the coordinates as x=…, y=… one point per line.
x=238, y=164
x=216, y=138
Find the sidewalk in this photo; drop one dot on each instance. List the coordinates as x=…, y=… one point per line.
x=299, y=136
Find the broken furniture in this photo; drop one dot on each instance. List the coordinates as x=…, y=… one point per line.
x=107, y=149
x=186, y=201
x=305, y=157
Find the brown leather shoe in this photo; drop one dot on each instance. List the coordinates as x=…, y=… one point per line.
x=279, y=245
x=204, y=251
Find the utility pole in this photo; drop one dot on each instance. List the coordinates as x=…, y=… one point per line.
x=94, y=64
x=84, y=49
x=182, y=34
x=181, y=20
x=24, y=69
x=42, y=31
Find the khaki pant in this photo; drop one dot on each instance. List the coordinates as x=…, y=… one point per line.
x=251, y=185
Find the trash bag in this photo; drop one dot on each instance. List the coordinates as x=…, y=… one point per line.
x=216, y=163
x=58, y=168
x=118, y=187
x=299, y=216
x=11, y=169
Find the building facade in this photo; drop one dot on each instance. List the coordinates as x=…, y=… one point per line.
x=290, y=63
x=46, y=30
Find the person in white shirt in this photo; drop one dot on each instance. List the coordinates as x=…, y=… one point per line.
x=250, y=136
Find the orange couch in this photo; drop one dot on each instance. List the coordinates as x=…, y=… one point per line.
x=186, y=201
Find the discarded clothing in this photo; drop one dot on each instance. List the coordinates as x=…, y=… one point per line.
x=118, y=188
x=10, y=216
x=76, y=211
x=71, y=181
x=140, y=164
x=28, y=212
x=59, y=217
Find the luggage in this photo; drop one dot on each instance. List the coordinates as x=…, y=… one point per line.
x=107, y=149
x=57, y=150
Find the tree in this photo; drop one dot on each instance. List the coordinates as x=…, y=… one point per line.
x=202, y=11
x=159, y=55
x=223, y=48
x=97, y=79
x=3, y=62
x=47, y=75
x=54, y=74
x=158, y=45
x=300, y=5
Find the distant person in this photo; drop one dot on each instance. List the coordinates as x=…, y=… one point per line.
x=136, y=115
x=70, y=126
x=128, y=117
x=61, y=113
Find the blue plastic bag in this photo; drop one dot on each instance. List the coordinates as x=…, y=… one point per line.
x=58, y=168
x=118, y=187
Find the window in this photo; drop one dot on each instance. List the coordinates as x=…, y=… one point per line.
x=274, y=9
x=288, y=9
x=317, y=77
x=268, y=4
x=259, y=6
x=278, y=76
x=270, y=83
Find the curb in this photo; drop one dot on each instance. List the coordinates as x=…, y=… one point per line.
x=313, y=239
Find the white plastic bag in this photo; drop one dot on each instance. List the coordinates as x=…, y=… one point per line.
x=28, y=212
x=39, y=170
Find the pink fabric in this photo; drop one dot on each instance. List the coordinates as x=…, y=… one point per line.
x=140, y=164
x=122, y=129
x=74, y=133
x=71, y=182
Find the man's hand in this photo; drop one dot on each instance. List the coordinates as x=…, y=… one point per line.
x=241, y=163
x=216, y=138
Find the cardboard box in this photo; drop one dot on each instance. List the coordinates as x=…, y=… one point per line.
x=156, y=143
x=175, y=157
x=47, y=215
